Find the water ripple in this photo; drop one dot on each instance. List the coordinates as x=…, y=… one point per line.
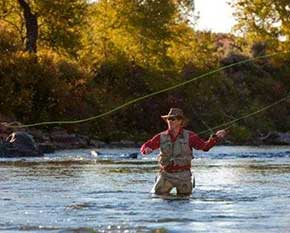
x=238, y=189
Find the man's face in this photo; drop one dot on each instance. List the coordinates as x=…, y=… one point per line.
x=174, y=123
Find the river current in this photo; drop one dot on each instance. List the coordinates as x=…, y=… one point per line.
x=238, y=189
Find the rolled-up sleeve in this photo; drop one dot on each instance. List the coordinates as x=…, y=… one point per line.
x=153, y=143
x=199, y=144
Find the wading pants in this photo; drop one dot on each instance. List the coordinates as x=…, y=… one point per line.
x=183, y=181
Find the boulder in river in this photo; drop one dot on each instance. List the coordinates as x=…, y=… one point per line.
x=19, y=144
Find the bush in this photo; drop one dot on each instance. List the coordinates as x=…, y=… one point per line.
x=240, y=134
x=9, y=40
x=39, y=88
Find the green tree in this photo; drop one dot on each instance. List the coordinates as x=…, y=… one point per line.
x=55, y=24
x=263, y=20
x=140, y=30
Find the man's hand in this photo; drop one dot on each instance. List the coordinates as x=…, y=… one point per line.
x=221, y=133
x=147, y=150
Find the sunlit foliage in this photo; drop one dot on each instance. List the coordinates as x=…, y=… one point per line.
x=93, y=56
x=263, y=20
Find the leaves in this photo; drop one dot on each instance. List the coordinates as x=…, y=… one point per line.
x=97, y=55
x=263, y=20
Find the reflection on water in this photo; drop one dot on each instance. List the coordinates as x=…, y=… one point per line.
x=238, y=189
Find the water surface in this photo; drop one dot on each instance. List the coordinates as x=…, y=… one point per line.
x=238, y=189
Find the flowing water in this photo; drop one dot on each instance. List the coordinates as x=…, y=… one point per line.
x=238, y=189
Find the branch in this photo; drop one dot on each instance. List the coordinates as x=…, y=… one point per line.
x=13, y=24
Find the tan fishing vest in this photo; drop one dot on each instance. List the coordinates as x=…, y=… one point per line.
x=175, y=153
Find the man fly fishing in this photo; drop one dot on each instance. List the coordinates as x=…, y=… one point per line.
x=175, y=156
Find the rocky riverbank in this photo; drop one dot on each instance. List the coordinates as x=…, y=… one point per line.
x=60, y=139
x=275, y=138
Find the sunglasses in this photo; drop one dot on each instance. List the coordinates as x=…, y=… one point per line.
x=172, y=118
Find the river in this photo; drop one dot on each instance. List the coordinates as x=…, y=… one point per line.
x=238, y=189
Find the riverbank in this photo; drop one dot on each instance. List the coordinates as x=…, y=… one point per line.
x=60, y=139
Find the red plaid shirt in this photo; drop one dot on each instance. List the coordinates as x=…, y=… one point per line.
x=194, y=141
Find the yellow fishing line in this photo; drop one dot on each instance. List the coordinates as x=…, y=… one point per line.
x=230, y=123
x=147, y=96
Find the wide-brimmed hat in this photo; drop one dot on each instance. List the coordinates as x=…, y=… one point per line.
x=174, y=112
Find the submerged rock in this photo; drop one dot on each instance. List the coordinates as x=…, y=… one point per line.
x=19, y=144
x=130, y=155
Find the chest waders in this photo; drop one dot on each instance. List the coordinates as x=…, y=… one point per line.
x=175, y=163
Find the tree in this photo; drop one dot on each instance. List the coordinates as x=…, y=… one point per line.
x=31, y=26
x=264, y=20
x=61, y=23
x=55, y=24
x=138, y=30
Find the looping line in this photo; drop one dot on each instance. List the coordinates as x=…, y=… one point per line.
x=162, y=91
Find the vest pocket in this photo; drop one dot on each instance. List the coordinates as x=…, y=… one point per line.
x=164, y=159
x=185, y=147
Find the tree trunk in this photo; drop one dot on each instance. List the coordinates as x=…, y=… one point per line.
x=31, y=27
